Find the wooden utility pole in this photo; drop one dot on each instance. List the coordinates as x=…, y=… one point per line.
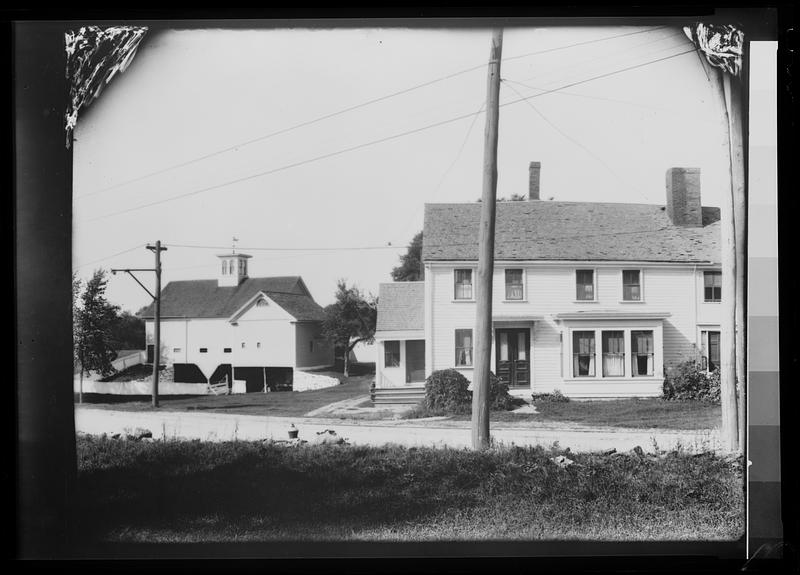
x=732, y=87
x=483, y=284
x=157, y=327
x=157, y=248
x=730, y=418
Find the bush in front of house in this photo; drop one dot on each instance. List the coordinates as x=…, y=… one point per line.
x=555, y=397
x=446, y=393
x=499, y=397
x=688, y=381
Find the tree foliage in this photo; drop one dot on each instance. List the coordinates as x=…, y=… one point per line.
x=92, y=326
x=410, y=268
x=350, y=320
x=127, y=331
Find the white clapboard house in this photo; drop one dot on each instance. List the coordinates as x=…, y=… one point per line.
x=595, y=300
x=257, y=332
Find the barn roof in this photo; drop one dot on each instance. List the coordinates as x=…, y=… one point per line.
x=206, y=299
x=548, y=230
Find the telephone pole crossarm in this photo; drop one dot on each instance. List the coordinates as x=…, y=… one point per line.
x=129, y=272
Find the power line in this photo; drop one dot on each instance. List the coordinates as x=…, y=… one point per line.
x=577, y=143
x=349, y=109
x=380, y=140
x=274, y=249
x=108, y=257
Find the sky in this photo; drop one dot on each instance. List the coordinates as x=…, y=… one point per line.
x=212, y=134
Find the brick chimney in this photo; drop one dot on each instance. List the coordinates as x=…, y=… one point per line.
x=533, y=180
x=683, y=197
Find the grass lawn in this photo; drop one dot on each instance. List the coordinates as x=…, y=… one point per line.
x=246, y=491
x=279, y=403
x=632, y=413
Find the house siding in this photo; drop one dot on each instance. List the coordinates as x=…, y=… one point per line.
x=550, y=290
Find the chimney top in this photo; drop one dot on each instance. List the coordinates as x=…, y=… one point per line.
x=683, y=197
x=535, y=170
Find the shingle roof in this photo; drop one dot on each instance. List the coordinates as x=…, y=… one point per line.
x=548, y=230
x=205, y=299
x=401, y=306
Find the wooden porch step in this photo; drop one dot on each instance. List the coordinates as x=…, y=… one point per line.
x=398, y=395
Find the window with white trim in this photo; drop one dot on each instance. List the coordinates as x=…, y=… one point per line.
x=712, y=286
x=631, y=285
x=224, y=267
x=514, y=284
x=463, y=284
x=391, y=354
x=583, y=354
x=463, y=348
x=710, y=349
x=642, y=353
x=584, y=285
x=613, y=353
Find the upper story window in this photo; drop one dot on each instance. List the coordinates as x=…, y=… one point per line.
x=514, y=287
x=712, y=284
x=391, y=354
x=463, y=347
x=584, y=285
x=262, y=303
x=631, y=285
x=463, y=284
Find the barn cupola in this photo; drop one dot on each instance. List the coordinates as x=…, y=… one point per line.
x=233, y=269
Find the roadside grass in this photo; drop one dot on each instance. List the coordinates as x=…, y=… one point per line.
x=247, y=491
x=647, y=413
x=278, y=403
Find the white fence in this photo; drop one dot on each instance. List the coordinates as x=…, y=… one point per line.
x=131, y=359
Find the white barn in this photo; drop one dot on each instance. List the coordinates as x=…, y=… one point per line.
x=260, y=332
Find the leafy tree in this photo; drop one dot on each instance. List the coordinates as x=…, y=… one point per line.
x=410, y=268
x=92, y=327
x=350, y=320
x=127, y=331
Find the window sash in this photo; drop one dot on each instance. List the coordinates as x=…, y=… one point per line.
x=584, y=284
x=583, y=354
x=613, y=353
x=514, y=285
x=463, y=347
x=642, y=353
x=631, y=285
x=463, y=284
x=391, y=353
x=712, y=286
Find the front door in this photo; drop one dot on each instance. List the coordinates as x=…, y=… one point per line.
x=512, y=347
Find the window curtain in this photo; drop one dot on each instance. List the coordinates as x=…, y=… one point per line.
x=613, y=354
x=583, y=353
x=642, y=352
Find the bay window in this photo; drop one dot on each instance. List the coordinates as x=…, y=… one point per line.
x=613, y=354
x=642, y=353
x=583, y=353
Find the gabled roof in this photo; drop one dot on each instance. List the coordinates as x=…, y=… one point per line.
x=205, y=299
x=548, y=230
x=401, y=306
